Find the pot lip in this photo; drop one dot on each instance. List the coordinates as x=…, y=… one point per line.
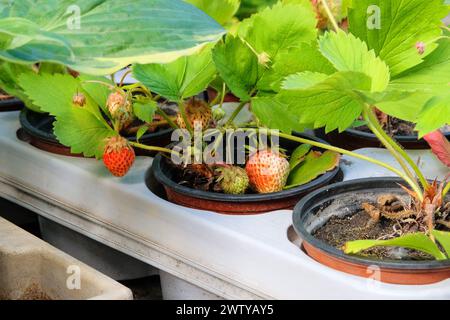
x=215, y=196
x=298, y=216
x=50, y=137
x=11, y=102
x=371, y=136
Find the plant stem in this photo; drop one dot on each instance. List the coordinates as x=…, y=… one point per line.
x=123, y=77
x=330, y=15
x=185, y=118
x=446, y=190
x=152, y=148
x=349, y=153
x=235, y=113
x=394, y=147
x=166, y=117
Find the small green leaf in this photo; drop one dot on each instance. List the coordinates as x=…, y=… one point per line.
x=314, y=165
x=348, y=53
x=415, y=241
x=299, y=155
x=141, y=131
x=444, y=240
x=145, y=111
x=275, y=115
x=238, y=66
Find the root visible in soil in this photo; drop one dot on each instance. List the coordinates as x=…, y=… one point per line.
x=386, y=218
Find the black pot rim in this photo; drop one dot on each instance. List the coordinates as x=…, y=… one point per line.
x=50, y=137
x=245, y=198
x=13, y=102
x=298, y=217
x=371, y=136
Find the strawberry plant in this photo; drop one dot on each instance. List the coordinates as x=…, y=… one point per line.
x=401, y=68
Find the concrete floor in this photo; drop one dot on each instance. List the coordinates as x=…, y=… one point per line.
x=143, y=289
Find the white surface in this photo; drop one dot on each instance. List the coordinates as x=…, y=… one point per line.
x=110, y=262
x=233, y=257
x=27, y=262
x=174, y=288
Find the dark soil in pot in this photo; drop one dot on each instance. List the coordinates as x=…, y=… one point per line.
x=362, y=137
x=37, y=129
x=328, y=218
x=9, y=103
x=248, y=204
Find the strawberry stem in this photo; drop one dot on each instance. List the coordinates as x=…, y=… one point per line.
x=330, y=15
x=152, y=148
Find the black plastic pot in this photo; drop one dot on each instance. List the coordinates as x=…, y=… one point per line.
x=37, y=129
x=12, y=104
x=307, y=218
x=352, y=139
x=247, y=204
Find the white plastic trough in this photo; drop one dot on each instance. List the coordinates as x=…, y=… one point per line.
x=248, y=257
x=31, y=269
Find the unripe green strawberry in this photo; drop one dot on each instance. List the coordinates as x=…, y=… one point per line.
x=79, y=100
x=118, y=156
x=196, y=111
x=267, y=171
x=219, y=114
x=233, y=180
x=120, y=109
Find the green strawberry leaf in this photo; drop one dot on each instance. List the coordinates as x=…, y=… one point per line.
x=9, y=72
x=415, y=241
x=274, y=115
x=183, y=78
x=430, y=76
x=221, y=10
x=407, y=108
x=145, y=111
x=303, y=80
x=238, y=66
x=434, y=115
x=82, y=132
x=348, y=53
x=305, y=57
x=299, y=155
x=400, y=25
x=54, y=93
x=314, y=165
x=332, y=103
x=280, y=27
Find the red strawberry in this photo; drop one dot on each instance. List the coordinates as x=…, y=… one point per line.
x=118, y=156
x=267, y=171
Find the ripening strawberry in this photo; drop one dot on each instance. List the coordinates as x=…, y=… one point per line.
x=196, y=111
x=118, y=156
x=267, y=171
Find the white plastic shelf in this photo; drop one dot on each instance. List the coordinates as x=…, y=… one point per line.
x=247, y=257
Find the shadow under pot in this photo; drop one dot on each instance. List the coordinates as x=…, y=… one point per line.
x=37, y=130
x=352, y=139
x=327, y=218
x=163, y=172
x=11, y=104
